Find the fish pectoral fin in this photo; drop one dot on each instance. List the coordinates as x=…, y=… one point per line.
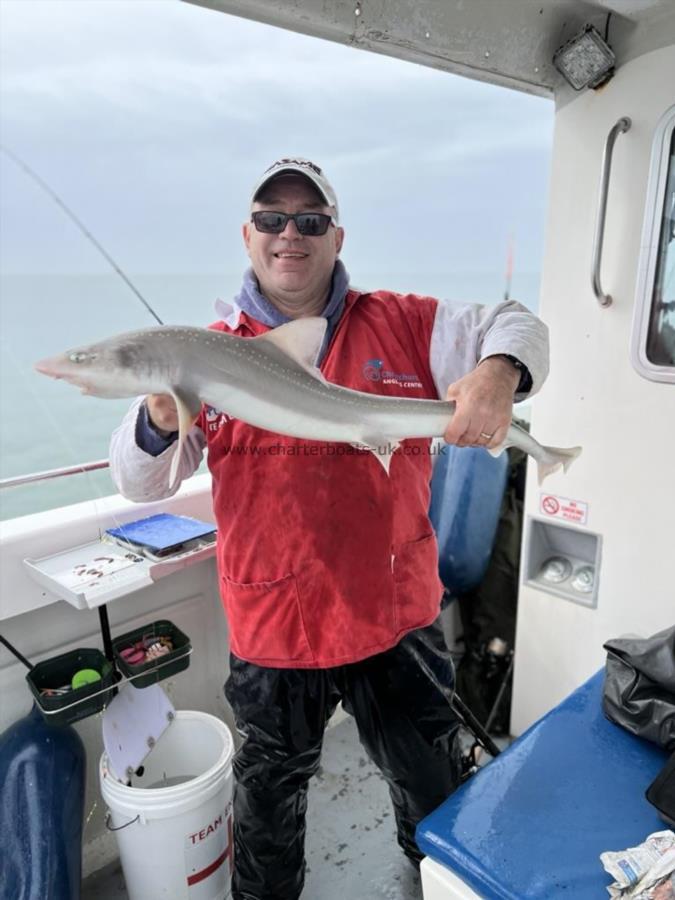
x=188, y=407
x=301, y=340
x=381, y=448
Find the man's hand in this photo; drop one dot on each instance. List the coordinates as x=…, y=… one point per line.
x=483, y=404
x=162, y=413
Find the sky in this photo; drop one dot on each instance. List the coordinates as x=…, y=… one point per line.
x=153, y=118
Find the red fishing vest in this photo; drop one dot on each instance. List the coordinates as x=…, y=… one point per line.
x=322, y=558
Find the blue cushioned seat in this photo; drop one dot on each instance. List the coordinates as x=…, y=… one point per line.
x=533, y=822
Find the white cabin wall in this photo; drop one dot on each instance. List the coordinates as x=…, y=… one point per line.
x=595, y=398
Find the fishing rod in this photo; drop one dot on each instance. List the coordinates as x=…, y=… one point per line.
x=85, y=231
x=456, y=703
x=509, y=269
x=12, y=649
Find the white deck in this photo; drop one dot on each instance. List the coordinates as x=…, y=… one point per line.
x=351, y=841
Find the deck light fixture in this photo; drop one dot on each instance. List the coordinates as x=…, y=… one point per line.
x=556, y=569
x=586, y=60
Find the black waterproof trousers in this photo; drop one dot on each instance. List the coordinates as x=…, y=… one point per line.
x=401, y=702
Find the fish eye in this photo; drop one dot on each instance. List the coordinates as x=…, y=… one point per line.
x=78, y=356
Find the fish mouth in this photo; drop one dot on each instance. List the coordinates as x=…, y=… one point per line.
x=53, y=369
x=47, y=367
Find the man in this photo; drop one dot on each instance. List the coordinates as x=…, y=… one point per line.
x=328, y=565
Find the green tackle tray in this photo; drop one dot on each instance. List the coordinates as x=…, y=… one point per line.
x=176, y=660
x=64, y=709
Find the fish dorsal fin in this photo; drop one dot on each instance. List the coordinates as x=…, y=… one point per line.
x=300, y=339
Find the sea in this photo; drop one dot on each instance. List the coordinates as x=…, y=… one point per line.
x=47, y=424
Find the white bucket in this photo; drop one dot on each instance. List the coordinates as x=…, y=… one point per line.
x=175, y=820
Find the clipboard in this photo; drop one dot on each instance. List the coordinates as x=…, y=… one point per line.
x=163, y=534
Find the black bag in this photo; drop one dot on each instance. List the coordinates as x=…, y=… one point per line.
x=639, y=692
x=661, y=792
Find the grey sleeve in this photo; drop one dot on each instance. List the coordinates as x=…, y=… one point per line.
x=465, y=334
x=141, y=477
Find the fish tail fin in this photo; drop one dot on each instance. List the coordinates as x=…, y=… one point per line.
x=554, y=458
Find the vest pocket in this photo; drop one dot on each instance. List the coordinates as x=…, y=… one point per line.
x=265, y=621
x=417, y=588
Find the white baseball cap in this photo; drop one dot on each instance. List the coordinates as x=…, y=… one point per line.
x=298, y=166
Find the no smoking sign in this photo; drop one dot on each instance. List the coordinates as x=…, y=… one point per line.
x=556, y=507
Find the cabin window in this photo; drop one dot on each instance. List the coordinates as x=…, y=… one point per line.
x=653, y=348
x=661, y=332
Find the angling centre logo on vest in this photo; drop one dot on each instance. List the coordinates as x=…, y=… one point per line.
x=374, y=370
x=215, y=419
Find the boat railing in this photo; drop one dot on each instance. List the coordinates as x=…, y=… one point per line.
x=17, y=480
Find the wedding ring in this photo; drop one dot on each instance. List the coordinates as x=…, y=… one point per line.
x=488, y=437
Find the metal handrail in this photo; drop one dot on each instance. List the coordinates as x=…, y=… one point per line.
x=621, y=126
x=54, y=473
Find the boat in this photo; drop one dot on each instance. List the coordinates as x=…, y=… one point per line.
x=608, y=296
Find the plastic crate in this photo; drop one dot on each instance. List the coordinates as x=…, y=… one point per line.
x=76, y=704
x=155, y=670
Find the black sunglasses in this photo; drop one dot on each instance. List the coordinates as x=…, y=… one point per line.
x=308, y=223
